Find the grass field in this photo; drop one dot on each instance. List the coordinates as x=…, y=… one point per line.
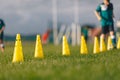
x=103, y=66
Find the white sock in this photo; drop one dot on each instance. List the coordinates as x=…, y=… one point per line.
x=112, y=37
x=2, y=45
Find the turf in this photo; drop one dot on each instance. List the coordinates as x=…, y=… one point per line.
x=102, y=66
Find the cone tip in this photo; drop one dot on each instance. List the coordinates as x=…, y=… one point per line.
x=18, y=36
x=37, y=36
x=64, y=37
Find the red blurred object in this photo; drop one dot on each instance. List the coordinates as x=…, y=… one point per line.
x=45, y=37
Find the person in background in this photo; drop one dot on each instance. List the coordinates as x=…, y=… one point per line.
x=85, y=33
x=45, y=37
x=105, y=15
x=2, y=27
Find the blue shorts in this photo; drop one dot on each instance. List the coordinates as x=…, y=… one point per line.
x=1, y=36
x=107, y=29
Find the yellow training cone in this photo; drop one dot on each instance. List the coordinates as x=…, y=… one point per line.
x=65, y=47
x=18, y=53
x=102, y=44
x=118, y=43
x=96, y=48
x=109, y=44
x=38, y=48
x=83, y=47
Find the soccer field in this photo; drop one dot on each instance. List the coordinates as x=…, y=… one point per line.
x=103, y=66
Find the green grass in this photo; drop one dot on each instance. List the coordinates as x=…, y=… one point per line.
x=103, y=66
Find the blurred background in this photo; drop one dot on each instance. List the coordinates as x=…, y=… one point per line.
x=47, y=17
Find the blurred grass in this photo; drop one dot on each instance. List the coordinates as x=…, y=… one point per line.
x=103, y=66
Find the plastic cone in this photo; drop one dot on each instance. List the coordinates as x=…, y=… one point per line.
x=38, y=48
x=118, y=43
x=18, y=53
x=83, y=47
x=96, y=48
x=102, y=44
x=109, y=44
x=65, y=47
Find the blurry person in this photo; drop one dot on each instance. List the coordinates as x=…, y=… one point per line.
x=85, y=32
x=105, y=15
x=2, y=27
x=45, y=37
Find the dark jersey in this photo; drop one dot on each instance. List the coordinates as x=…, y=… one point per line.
x=106, y=13
x=2, y=24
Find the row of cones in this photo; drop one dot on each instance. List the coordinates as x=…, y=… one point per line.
x=97, y=47
x=102, y=46
x=18, y=53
